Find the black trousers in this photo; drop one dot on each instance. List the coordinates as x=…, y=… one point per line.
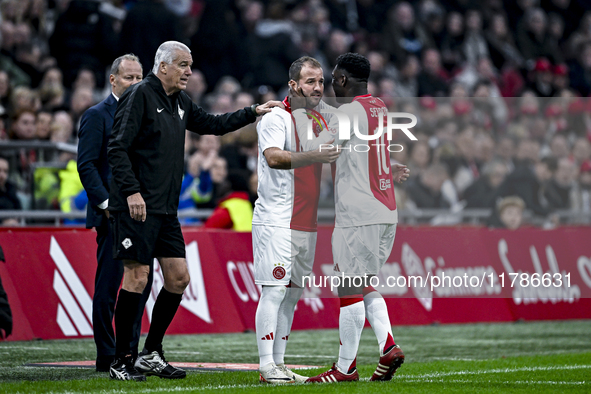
x=109, y=273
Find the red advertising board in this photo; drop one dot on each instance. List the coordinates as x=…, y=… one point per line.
x=49, y=277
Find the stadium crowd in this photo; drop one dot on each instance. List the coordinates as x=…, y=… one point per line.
x=500, y=89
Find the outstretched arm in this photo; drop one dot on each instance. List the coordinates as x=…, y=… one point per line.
x=286, y=160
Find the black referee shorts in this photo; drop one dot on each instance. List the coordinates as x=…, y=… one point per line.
x=158, y=236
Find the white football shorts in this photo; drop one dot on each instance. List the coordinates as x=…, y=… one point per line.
x=281, y=254
x=362, y=249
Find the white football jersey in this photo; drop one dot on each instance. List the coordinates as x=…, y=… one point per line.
x=288, y=198
x=364, y=190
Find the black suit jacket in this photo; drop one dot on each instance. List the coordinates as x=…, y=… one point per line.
x=93, y=166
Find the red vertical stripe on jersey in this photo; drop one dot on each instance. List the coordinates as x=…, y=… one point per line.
x=306, y=186
x=380, y=170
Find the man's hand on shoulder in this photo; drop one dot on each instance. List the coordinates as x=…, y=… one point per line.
x=268, y=106
x=137, y=207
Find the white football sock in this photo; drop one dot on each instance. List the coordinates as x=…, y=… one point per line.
x=376, y=312
x=266, y=321
x=351, y=321
x=284, y=321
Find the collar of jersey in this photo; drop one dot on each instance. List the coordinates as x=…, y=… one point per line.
x=360, y=97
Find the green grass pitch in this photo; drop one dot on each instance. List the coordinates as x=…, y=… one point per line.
x=540, y=357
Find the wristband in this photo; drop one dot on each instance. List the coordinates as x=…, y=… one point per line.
x=253, y=108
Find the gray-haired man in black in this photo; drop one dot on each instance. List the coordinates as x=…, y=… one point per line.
x=146, y=155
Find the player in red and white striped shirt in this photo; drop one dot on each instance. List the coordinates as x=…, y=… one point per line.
x=365, y=223
x=285, y=214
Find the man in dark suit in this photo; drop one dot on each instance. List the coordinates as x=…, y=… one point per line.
x=95, y=174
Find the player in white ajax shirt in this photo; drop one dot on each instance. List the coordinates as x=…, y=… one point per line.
x=365, y=223
x=285, y=214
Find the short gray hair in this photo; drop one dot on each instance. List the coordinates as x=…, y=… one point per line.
x=166, y=52
x=120, y=59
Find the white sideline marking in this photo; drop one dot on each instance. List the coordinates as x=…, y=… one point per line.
x=406, y=378
x=505, y=382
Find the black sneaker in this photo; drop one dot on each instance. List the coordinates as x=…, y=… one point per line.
x=123, y=369
x=154, y=363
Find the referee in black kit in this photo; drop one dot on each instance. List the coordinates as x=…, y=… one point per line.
x=146, y=155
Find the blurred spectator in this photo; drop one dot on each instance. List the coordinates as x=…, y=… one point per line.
x=501, y=46
x=70, y=187
x=271, y=48
x=23, y=125
x=309, y=46
x=220, y=103
x=406, y=85
x=62, y=127
x=52, y=91
x=528, y=153
x=433, y=18
x=432, y=78
x=43, y=125
x=197, y=186
x=380, y=66
x=464, y=169
x=481, y=194
x=582, y=192
x=559, y=147
x=24, y=98
x=234, y=211
x=452, y=53
x=425, y=190
x=559, y=189
x=580, y=70
x=505, y=152
x=508, y=213
x=219, y=38
x=243, y=153
x=219, y=174
x=475, y=47
x=82, y=99
x=17, y=76
x=581, y=151
x=561, y=80
x=580, y=36
x=570, y=12
x=485, y=149
x=533, y=37
x=556, y=31
x=196, y=86
x=28, y=59
x=84, y=37
x=338, y=42
x=420, y=158
x=542, y=79
x=404, y=35
x=84, y=79
x=529, y=183
x=243, y=99
x=8, y=198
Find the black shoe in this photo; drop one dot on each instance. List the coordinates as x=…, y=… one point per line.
x=123, y=369
x=103, y=363
x=154, y=363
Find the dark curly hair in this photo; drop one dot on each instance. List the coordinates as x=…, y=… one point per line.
x=356, y=65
